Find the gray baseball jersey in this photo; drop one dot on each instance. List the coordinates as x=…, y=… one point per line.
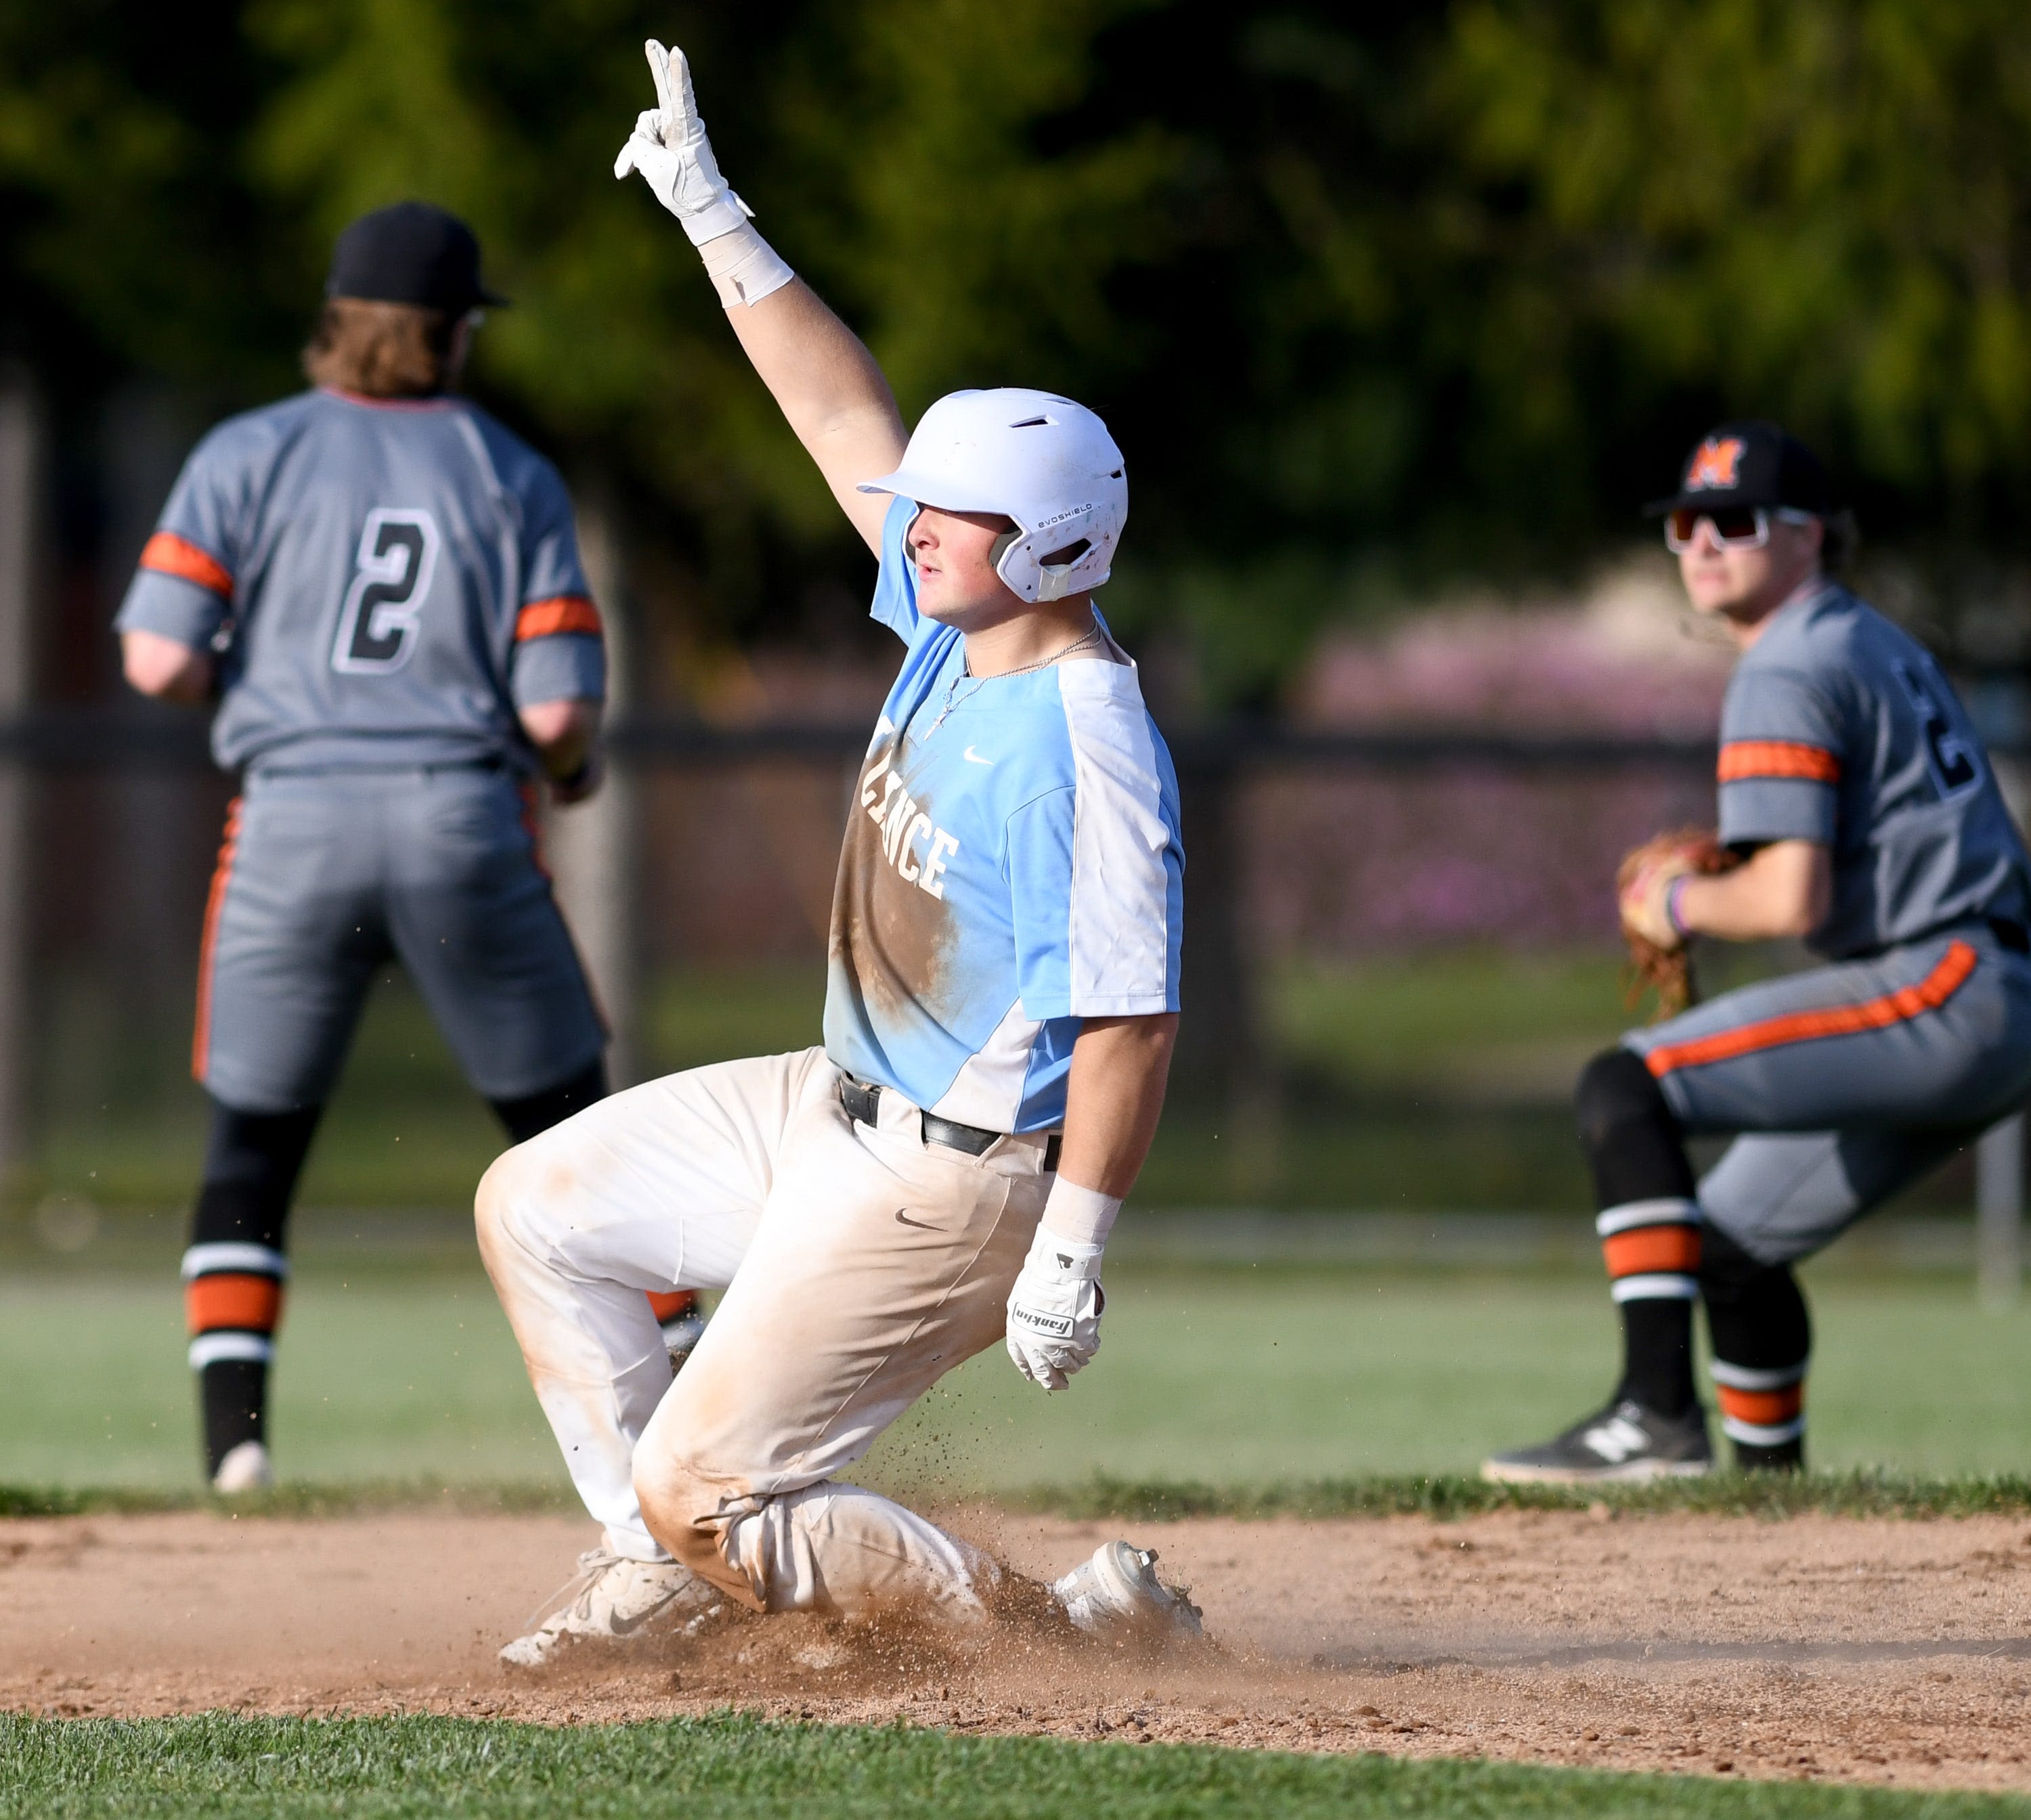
x=1839, y=728
x=1849, y=1080
x=386, y=583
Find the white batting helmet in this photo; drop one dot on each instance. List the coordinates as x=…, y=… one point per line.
x=1033, y=456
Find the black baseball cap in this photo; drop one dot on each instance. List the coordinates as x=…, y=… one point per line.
x=1747, y=464
x=410, y=253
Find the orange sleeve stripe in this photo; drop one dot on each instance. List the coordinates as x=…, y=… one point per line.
x=232, y=1300
x=1746, y=758
x=1764, y=1409
x=168, y=554
x=1670, y=1249
x=1878, y=1014
x=560, y=613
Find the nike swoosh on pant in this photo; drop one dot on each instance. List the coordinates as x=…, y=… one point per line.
x=922, y=1225
x=973, y=758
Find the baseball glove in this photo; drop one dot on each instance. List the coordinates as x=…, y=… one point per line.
x=1658, y=958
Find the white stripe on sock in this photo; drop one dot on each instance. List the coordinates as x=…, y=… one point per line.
x=1673, y=1211
x=1657, y=1287
x=204, y=1260
x=1756, y=1434
x=1750, y=1378
x=211, y=1348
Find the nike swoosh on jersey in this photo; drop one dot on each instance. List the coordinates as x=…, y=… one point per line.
x=921, y=1224
x=973, y=758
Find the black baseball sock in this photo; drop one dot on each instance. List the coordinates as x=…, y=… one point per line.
x=1762, y=1337
x=537, y=1112
x=1648, y=1223
x=235, y=1269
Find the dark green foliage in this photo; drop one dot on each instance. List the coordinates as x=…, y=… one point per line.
x=1374, y=296
x=734, y=1767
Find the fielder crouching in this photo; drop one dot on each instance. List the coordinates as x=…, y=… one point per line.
x=1870, y=825
x=1001, y=1006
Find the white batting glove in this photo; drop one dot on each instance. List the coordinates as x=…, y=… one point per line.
x=669, y=148
x=1054, y=1309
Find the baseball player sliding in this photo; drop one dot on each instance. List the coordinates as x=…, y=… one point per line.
x=380, y=587
x=943, y=1171
x=1867, y=821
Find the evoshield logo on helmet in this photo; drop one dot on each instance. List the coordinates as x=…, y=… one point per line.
x=1714, y=463
x=1036, y=458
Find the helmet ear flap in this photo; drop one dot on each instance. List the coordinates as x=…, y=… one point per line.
x=998, y=550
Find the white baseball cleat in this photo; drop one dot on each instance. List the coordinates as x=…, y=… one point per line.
x=1117, y=1593
x=614, y=1600
x=246, y=1468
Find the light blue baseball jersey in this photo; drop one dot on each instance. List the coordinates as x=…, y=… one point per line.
x=1012, y=866
x=386, y=583
x=1838, y=728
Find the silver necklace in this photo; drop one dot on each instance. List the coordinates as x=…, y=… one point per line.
x=952, y=699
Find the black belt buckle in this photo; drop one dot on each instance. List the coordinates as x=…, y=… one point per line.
x=862, y=1101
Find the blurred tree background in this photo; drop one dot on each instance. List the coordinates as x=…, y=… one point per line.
x=1377, y=300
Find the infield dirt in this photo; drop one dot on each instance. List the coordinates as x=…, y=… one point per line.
x=1885, y=1651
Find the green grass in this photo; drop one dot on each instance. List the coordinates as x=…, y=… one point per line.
x=1440, y=1496
x=1236, y=1380
x=1437, y=1080
x=736, y=1767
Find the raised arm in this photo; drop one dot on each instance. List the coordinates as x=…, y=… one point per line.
x=831, y=391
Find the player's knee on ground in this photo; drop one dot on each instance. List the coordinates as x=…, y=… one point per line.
x=1630, y=1136
x=1762, y=1340
x=680, y=1508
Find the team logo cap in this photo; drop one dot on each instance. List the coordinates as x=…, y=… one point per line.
x=1750, y=463
x=410, y=253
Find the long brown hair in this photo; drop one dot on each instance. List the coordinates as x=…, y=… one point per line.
x=381, y=350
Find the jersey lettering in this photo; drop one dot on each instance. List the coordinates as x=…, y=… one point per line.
x=903, y=825
x=377, y=626
x=1955, y=767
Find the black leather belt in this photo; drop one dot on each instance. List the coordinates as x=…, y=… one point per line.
x=862, y=1101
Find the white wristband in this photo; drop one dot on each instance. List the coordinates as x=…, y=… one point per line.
x=1082, y=1215
x=742, y=266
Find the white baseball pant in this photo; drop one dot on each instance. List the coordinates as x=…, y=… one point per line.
x=860, y=1265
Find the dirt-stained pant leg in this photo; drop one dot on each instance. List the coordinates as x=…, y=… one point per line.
x=657, y=1188
x=880, y=1263
x=1848, y=1081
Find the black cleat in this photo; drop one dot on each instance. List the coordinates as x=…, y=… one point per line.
x=1625, y=1440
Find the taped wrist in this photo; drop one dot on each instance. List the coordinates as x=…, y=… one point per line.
x=743, y=267
x=1080, y=1216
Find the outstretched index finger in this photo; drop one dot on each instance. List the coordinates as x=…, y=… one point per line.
x=685, y=109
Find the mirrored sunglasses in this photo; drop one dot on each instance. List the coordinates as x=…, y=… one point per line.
x=1741, y=528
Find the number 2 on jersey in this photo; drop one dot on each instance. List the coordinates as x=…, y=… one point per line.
x=377, y=626
x=1951, y=764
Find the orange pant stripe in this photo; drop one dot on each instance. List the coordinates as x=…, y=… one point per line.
x=214, y=904
x=1877, y=1014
